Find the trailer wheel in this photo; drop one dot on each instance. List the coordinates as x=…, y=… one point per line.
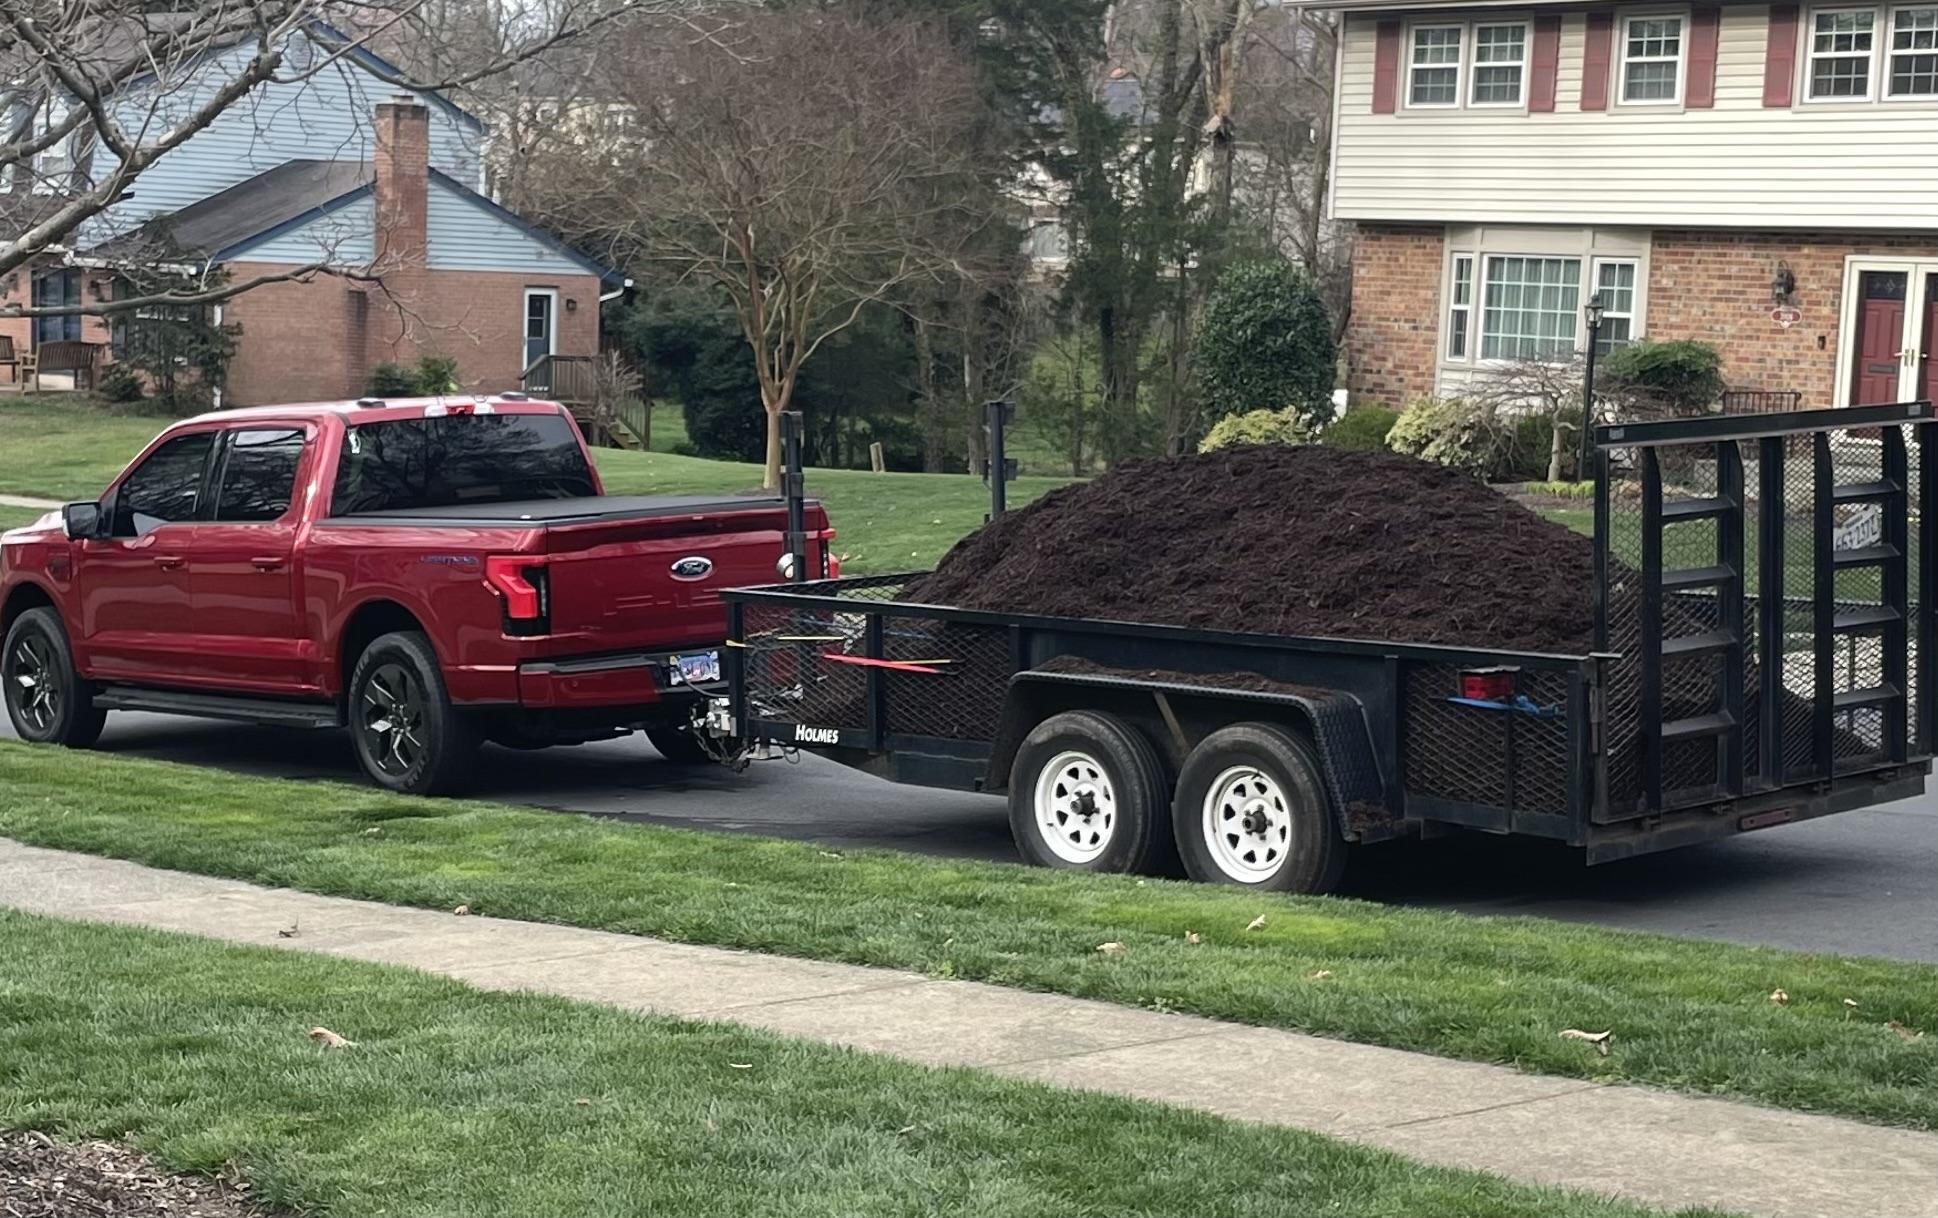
x=1251, y=809
x=1087, y=792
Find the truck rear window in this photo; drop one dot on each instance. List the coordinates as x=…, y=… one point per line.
x=419, y=463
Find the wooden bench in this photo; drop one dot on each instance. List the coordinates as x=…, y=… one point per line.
x=19, y=365
x=81, y=359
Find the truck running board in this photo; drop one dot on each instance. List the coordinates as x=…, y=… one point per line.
x=267, y=711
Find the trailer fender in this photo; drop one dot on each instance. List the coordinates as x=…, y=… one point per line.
x=1178, y=710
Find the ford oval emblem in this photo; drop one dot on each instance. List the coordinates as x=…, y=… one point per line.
x=693, y=568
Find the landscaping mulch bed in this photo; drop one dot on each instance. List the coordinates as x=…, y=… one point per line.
x=1292, y=541
x=43, y=1177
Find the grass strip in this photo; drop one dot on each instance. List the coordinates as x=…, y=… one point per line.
x=453, y=1101
x=1684, y=1014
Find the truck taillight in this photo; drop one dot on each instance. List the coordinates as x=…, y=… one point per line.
x=520, y=581
x=1488, y=684
x=830, y=565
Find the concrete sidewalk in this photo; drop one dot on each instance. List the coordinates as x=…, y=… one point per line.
x=1658, y=1147
x=23, y=501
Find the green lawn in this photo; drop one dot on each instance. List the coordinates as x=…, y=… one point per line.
x=62, y=446
x=13, y=517
x=454, y=1101
x=1684, y=1014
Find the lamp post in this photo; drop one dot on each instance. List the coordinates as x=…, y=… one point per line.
x=1592, y=314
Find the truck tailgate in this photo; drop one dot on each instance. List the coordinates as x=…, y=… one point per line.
x=619, y=583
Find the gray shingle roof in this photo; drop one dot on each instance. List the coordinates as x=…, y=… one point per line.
x=247, y=209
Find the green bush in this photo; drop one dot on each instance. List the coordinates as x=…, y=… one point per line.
x=120, y=383
x=1257, y=427
x=388, y=380
x=436, y=375
x=1361, y=429
x=1266, y=344
x=1680, y=378
x=1466, y=435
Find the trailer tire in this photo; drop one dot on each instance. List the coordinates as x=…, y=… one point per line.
x=1251, y=810
x=1087, y=792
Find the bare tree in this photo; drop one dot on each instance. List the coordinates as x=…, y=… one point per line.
x=97, y=93
x=798, y=162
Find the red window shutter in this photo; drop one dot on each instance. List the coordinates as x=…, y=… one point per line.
x=1780, y=58
x=1546, y=63
x=1704, y=25
x=1386, y=68
x=1594, y=61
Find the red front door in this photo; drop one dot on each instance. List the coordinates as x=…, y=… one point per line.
x=1880, y=337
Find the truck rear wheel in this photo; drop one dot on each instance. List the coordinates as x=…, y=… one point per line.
x=409, y=737
x=1251, y=810
x=1088, y=792
x=46, y=698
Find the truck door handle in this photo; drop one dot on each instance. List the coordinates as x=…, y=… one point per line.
x=170, y=562
x=266, y=564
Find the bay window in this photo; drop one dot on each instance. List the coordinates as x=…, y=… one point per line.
x=1461, y=309
x=1530, y=307
x=1510, y=303
x=1615, y=283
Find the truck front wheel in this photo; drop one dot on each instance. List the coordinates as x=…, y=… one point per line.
x=409, y=737
x=1087, y=792
x=1251, y=809
x=47, y=700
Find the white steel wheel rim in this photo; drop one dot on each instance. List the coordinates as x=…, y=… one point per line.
x=1247, y=824
x=1076, y=807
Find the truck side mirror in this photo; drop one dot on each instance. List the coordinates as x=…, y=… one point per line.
x=81, y=520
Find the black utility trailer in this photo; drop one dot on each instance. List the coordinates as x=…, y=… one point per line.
x=1764, y=621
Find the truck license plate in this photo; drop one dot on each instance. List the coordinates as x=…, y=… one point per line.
x=697, y=669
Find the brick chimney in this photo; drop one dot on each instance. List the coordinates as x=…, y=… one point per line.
x=403, y=166
x=402, y=171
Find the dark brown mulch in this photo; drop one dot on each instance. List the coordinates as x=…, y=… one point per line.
x=42, y=1177
x=1296, y=541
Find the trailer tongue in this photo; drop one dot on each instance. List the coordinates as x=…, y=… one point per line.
x=1764, y=624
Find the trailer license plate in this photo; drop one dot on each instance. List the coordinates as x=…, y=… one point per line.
x=699, y=669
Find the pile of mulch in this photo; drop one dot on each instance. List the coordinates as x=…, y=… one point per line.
x=1290, y=541
x=42, y=1177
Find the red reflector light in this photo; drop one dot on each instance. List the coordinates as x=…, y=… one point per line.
x=1488, y=684
x=506, y=574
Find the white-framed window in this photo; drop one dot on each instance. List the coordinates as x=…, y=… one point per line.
x=1460, y=307
x=1433, y=65
x=1530, y=307
x=1838, y=59
x=1912, y=67
x=1615, y=284
x=1652, y=51
x=1500, y=68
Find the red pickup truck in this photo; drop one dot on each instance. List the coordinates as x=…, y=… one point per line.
x=429, y=573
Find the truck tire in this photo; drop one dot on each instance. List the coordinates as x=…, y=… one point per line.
x=1087, y=792
x=409, y=737
x=1251, y=810
x=679, y=745
x=46, y=698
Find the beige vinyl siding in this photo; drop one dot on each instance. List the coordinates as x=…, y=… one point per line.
x=1870, y=165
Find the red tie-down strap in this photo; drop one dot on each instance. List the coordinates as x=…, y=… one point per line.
x=926, y=667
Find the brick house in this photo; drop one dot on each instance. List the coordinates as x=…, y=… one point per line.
x=384, y=191
x=1696, y=166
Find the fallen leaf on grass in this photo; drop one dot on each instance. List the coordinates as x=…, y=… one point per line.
x=289, y=932
x=583, y=1102
x=905, y=1130
x=1597, y=1039
x=330, y=1040
x=374, y=831
x=1321, y=975
x=1850, y=1007
x=1257, y=923
x=827, y=854
x=1193, y=937
x=740, y=1065
x=1112, y=949
x=1780, y=997
x=1903, y=1032
x=462, y=911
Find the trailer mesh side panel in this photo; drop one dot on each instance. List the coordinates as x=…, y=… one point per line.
x=963, y=698
x=1512, y=756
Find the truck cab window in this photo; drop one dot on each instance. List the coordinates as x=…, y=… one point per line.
x=409, y=465
x=164, y=489
x=259, y=474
